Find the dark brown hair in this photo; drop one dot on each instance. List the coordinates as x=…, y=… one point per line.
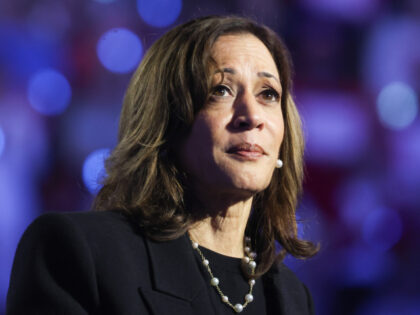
x=169, y=87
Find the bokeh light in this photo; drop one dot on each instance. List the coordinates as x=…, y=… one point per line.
x=397, y=105
x=159, y=13
x=336, y=127
x=382, y=229
x=49, y=92
x=119, y=50
x=94, y=169
x=2, y=140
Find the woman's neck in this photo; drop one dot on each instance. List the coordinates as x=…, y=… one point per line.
x=223, y=230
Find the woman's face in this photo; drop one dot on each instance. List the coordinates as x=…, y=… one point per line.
x=235, y=138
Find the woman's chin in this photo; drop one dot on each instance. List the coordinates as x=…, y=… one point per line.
x=248, y=187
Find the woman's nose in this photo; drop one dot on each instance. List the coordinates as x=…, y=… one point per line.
x=247, y=113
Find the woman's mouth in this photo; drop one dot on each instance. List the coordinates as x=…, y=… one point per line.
x=247, y=151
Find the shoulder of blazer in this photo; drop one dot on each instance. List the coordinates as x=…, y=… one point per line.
x=291, y=296
x=65, y=260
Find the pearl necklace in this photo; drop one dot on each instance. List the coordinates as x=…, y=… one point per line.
x=248, y=259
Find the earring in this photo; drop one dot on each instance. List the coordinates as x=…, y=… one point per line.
x=279, y=163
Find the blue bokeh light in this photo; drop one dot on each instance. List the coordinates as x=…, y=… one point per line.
x=159, y=13
x=119, y=50
x=397, y=105
x=49, y=92
x=94, y=169
x=2, y=141
x=336, y=127
x=382, y=229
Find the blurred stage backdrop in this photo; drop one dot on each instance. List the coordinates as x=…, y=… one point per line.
x=64, y=67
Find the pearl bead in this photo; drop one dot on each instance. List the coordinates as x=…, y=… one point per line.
x=251, y=282
x=247, y=239
x=195, y=245
x=238, y=308
x=252, y=264
x=279, y=163
x=249, y=297
x=225, y=298
x=253, y=255
x=205, y=262
x=246, y=259
x=214, y=281
x=247, y=249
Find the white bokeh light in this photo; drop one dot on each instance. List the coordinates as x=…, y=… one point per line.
x=397, y=105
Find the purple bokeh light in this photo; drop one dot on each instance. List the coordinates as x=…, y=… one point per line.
x=336, y=127
x=94, y=169
x=49, y=92
x=119, y=50
x=159, y=13
x=397, y=105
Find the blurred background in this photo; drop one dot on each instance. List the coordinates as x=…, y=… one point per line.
x=64, y=67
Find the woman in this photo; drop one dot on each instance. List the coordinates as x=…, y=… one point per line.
x=195, y=193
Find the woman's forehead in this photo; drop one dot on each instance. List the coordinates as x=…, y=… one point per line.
x=235, y=52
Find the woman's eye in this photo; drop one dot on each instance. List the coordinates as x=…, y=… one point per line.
x=220, y=90
x=270, y=95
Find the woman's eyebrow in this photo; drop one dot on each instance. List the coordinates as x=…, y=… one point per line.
x=260, y=74
x=227, y=70
x=267, y=75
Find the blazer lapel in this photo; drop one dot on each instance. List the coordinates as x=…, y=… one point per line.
x=177, y=279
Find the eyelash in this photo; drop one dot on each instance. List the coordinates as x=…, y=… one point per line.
x=218, y=87
x=266, y=91
x=273, y=92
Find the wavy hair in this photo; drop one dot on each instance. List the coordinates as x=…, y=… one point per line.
x=169, y=87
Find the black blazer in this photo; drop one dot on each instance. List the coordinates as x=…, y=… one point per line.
x=99, y=263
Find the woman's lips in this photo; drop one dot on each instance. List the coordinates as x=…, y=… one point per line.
x=247, y=151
